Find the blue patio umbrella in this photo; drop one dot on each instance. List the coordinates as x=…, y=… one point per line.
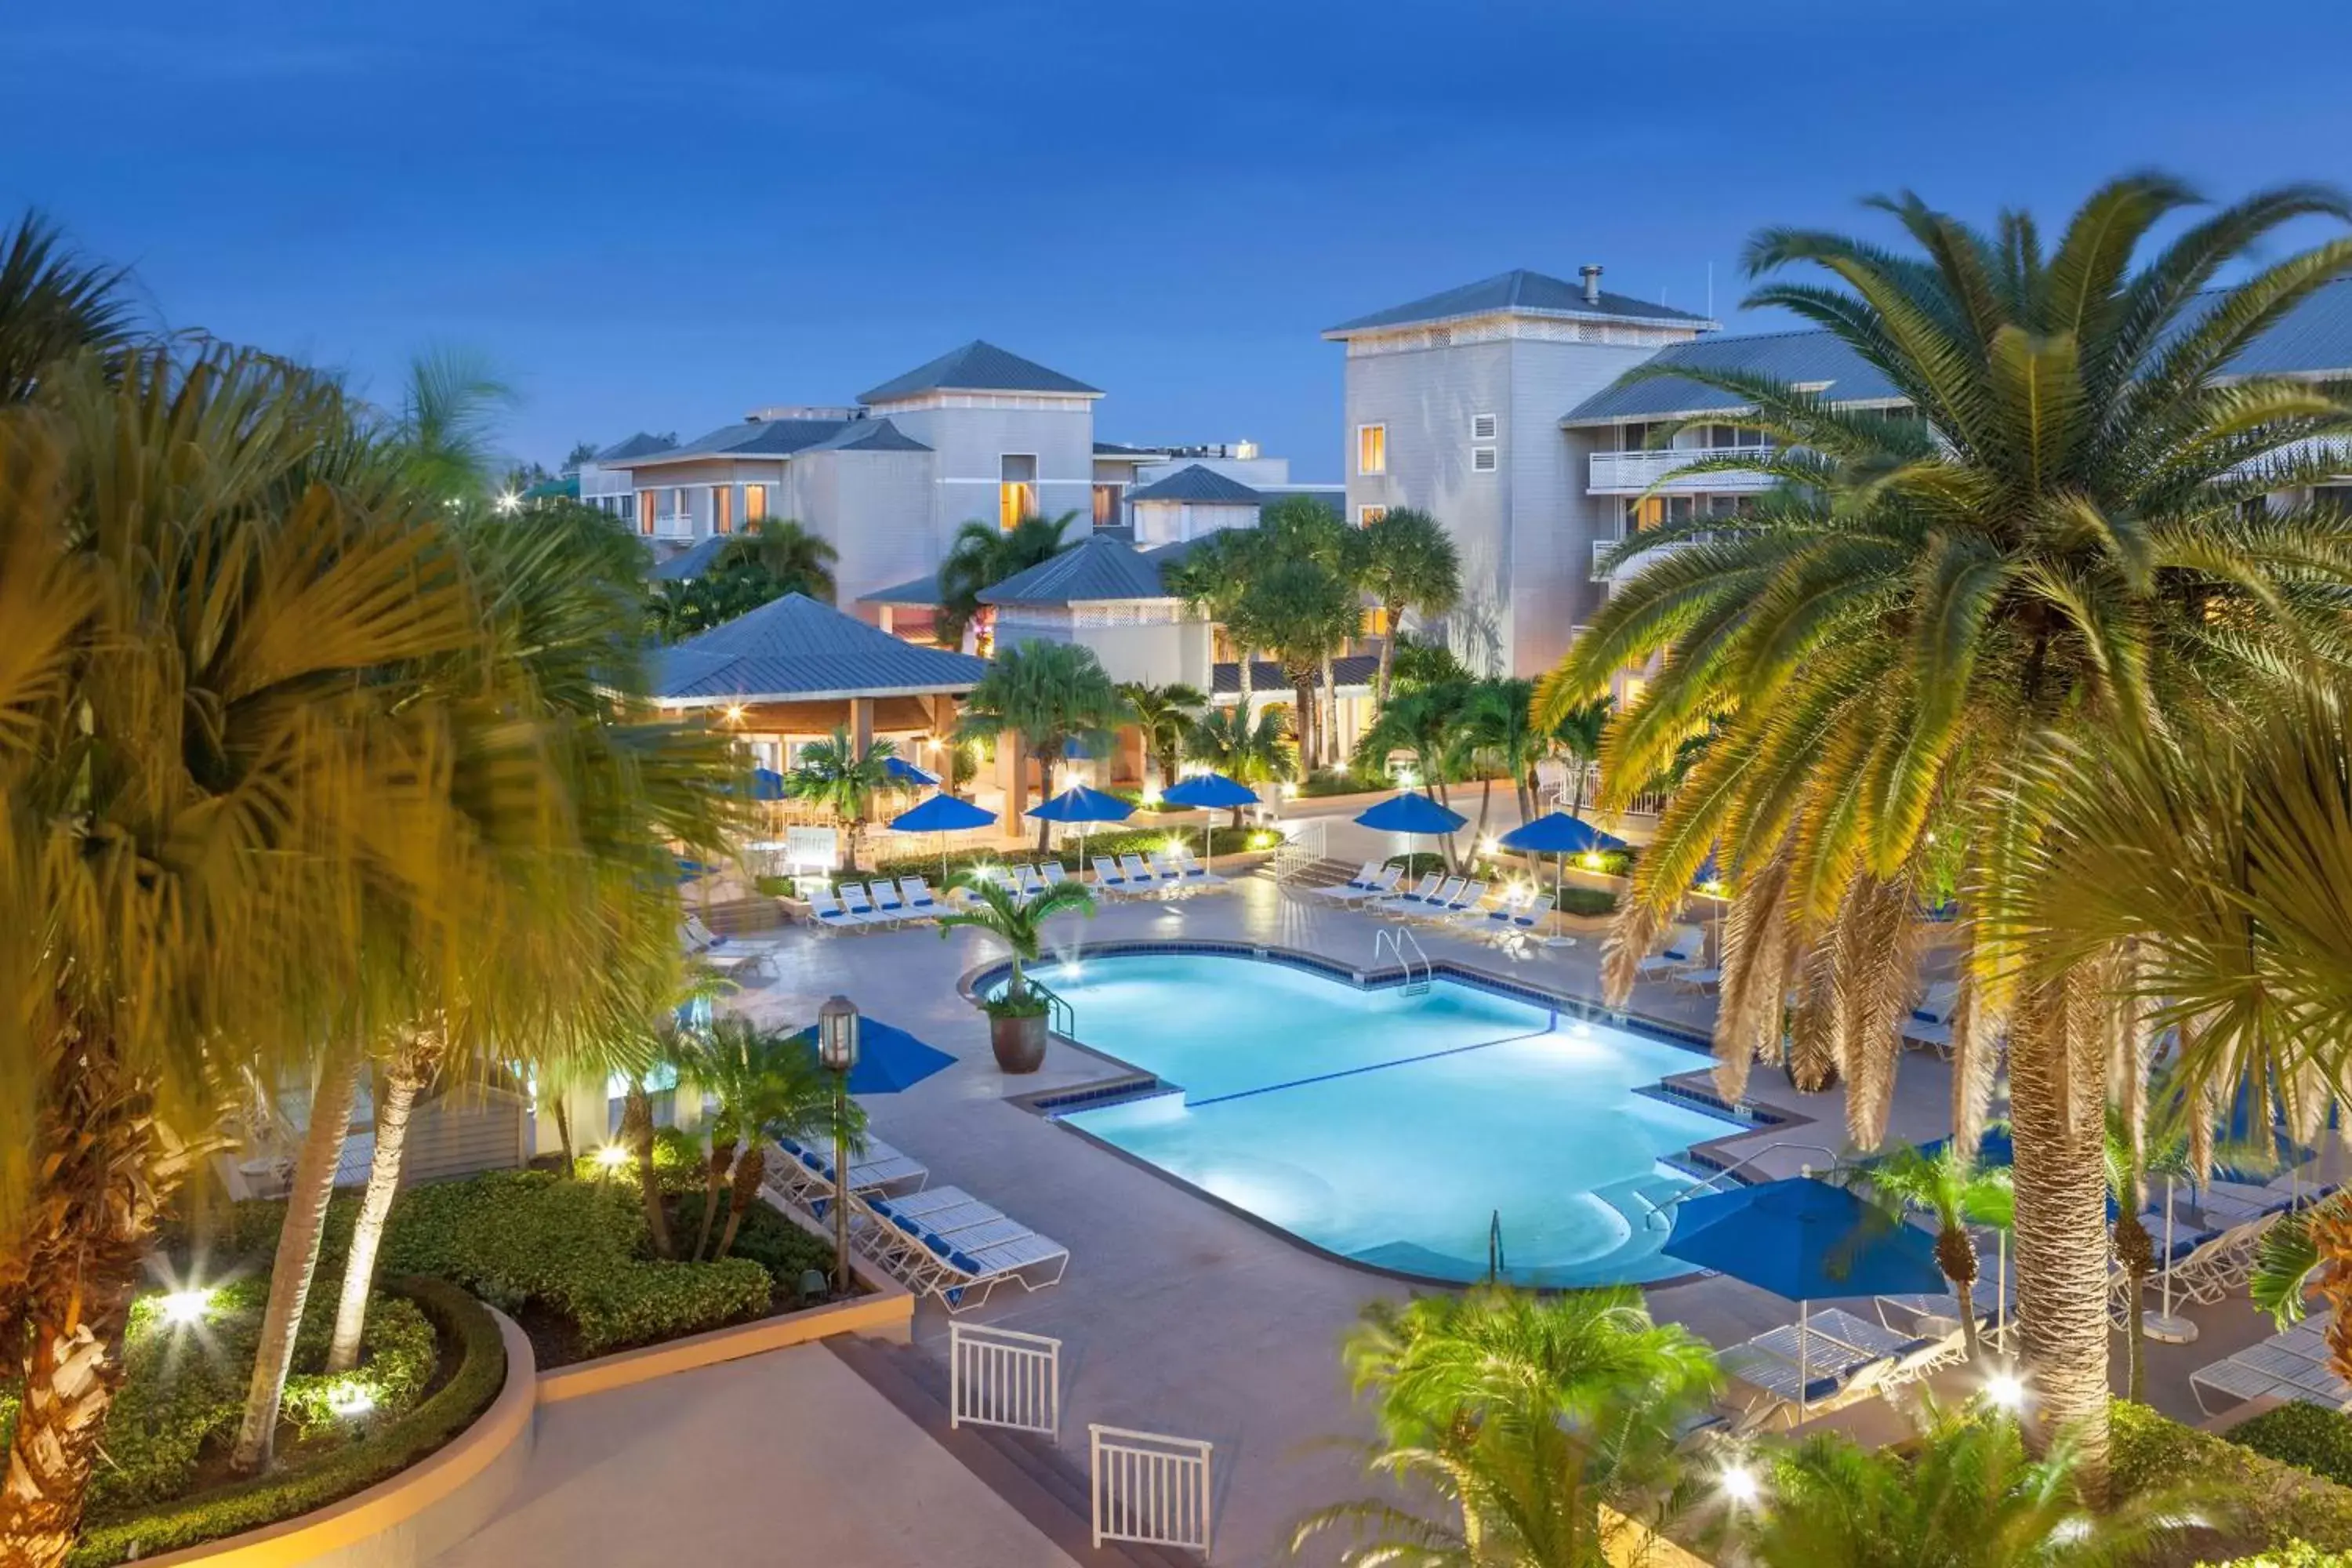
x=942, y=815
x=767, y=784
x=1802, y=1240
x=902, y=771
x=888, y=1059
x=1559, y=835
x=1084, y=807
x=1412, y=815
x=1210, y=791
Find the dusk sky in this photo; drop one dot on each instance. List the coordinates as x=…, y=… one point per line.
x=659, y=217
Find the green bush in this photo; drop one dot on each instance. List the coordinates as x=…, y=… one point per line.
x=2294, y=1555
x=1576, y=900
x=1120, y=841
x=765, y=1237
x=521, y=1237
x=388, y=1446
x=773, y=887
x=1345, y=780
x=2305, y=1435
x=2286, y=1507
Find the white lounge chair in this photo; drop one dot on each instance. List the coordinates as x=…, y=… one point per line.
x=1109, y=878
x=1027, y=882
x=1423, y=893
x=1054, y=873
x=1196, y=871
x=1382, y=885
x=958, y=1252
x=916, y=894
x=1682, y=948
x=825, y=911
x=1493, y=919
x=1357, y=885
x=2289, y=1365
x=802, y=1173
x=856, y=905
x=1532, y=914
x=883, y=894
x=1139, y=876
x=1469, y=897
x=1170, y=876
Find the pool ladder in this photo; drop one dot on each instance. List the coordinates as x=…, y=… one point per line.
x=1396, y=939
x=1061, y=1018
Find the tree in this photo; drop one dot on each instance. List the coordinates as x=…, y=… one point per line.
x=1166, y=715
x=768, y=1085
x=1302, y=611
x=1017, y=922
x=1963, y=1494
x=981, y=555
x=1523, y=1415
x=446, y=424
x=2063, y=534
x=1247, y=750
x=1210, y=579
x=1950, y=1184
x=1578, y=732
x=1409, y=563
x=1497, y=731
x=786, y=554
x=582, y=453
x=1431, y=723
x=1040, y=697
x=1302, y=528
x=196, y=907
x=836, y=775
x=54, y=306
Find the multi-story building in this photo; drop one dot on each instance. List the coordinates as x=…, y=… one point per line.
x=1504, y=409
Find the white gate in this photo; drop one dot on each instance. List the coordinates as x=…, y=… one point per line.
x=1000, y=1378
x=1150, y=1487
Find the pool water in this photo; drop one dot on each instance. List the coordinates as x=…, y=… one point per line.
x=1392, y=1128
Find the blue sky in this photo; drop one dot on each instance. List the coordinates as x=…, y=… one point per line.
x=657, y=217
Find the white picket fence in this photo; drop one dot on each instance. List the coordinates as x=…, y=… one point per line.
x=1150, y=1487
x=997, y=1377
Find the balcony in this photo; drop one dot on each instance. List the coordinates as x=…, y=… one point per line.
x=1635, y=473
x=674, y=525
x=1602, y=549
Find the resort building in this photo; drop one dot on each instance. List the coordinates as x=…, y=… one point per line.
x=1504, y=409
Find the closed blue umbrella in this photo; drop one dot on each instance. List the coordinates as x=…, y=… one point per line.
x=1084, y=806
x=1559, y=835
x=888, y=1059
x=767, y=784
x=906, y=773
x=1210, y=791
x=1802, y=1240
x=942, y=815
x=1411, y=814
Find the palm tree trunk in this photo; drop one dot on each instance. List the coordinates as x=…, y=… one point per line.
x=1955, y=1254
x=637, y=1137
x=1302, y=697
x=1388, y=613
x=749, y=1172
x=563, y=1137
x=297, y=1256
x=1242, y=654
x=401, y=1083
x=103, y=1167
x=2056, y=1107
x=1046, y=783
x=1327, y=714
x=714, y=1179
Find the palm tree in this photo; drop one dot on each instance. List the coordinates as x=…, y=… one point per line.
x=1964, y=1495
x=1211, y=579
x=836, y=775
x=54, y=306
x=2060, y=538
x=1499, y=733
x=1040, y=697
x=1166, y=715
x=1950, y=1184
x=446, y=426
x=1302, y=611
x=1019, y=923
x=981, y=555
x=1433, y=724
x=1303, y=528
x=1247, y=750
x=787, y=555
x=1408, y=563
x=768, y=1085
x=1578, y=732
x=195, y=910
x=1524, y=1415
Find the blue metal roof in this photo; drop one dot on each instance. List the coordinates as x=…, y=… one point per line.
x=869, y=435
x=692, y=562
x=794, y=649
x=922, y=590
x=1094, y=568
x=637, y=446
x=1520, y=292
x=1196, y=483
x=978, y=367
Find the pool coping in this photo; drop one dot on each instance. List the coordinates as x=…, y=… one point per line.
x=1695, y=1088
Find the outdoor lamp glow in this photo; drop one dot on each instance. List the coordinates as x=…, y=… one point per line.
x=2006, y=1391
x=350, y=1398
x=1740, y=1485
x=1592, y=858
x=613, y=1156
x=836, y=1035
x=181, y=1308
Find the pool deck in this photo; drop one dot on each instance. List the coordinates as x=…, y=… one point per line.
x=1176, y=1315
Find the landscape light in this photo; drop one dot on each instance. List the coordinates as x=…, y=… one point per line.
x=613, y=1156
x=2005, y=1391
x=350, y=1398
x=1740, y=1485
x=1592, y=858
x=184, y=1308
x=1489, y=845
x=510, y=502
x=734, y=712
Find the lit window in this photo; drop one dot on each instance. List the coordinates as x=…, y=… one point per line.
x=755, y=502
x=722, y=510
x=1482, y=427
x=644, y=512
x=1482, y=460
x=1016, y=490
x=1368, y=515
x=1372, y=448
x=1632, y=692
x=1106, y=504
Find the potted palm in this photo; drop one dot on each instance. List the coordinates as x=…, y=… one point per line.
x=1016, y=1019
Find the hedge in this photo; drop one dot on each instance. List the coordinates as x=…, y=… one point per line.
x=2294, y=1555
x=479, y=1373
x=2292, y=1508
x=2308, y=1436
x=1119, y=841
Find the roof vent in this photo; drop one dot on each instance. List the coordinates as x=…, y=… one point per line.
x=1591, y=273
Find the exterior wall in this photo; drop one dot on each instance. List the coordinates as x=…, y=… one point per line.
x=1270, y=471
x=466, y=1131
x=1171, y=522
x=878, y=514
x=968, y=444
x=1152, y=649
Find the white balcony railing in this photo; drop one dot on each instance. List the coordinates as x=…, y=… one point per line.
x=1632, y=473
x=674, y=525
x=1604, y=548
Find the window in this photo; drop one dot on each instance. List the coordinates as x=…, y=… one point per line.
x=722, y=510
x=1482, y=427
x=1016, y=489
x=1633, y=437
x=1368, y=515
x=644, y=512
x=755, y=502
x=1641, y=512
x=1748, y=438
x=1106, y=505
x=1482, y=460
x=1372, y=448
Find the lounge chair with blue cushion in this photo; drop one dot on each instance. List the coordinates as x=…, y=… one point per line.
x=1357, y=885
x=888, y=906
x=825, y=911
x=1140, y=876
x=1196, y=871
x=802, y=1173
x=1422, y=894
x=1495, y=918
x=916, y=894
x=1682, y=948
x=1109, y=878
x=858, y=907
x=957, y=1252
x=1382, y=885
x=1054, y=873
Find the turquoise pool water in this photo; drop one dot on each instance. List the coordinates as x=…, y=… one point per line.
x=1394, y=1128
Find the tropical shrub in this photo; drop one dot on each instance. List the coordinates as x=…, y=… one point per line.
x=2294, y=1555
x=1131, y=841
x=2284, y=1506
x=2308, y=1436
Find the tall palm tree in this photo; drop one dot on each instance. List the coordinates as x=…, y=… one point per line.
x=1247, y=750
x=982, y=554
x=1524, y=1415
x=1408, y=563
x=1040, y=697
x=1963, y=1494
x=2065, y=537
x=785, y=553
x=1578, y=732
x=1166, y=715
x=1302, y=611
x=1950, y=1184
x=1303, y=528
x=1210, y=579
x=54, y=306
x=836, y=775
x=194, y=905
x=1500, y=733
x=447, y=422
x=768, y=1085
x=1432, y=723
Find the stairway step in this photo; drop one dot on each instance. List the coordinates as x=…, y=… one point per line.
x=741, y=917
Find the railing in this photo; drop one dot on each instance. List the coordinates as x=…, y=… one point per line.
x=1301, y=846
x=1659, y=1220
x=1396, y=938
x=1060, y=1016
x=1632, y=473
x=1000, y=1378
x=1604, y=548
x=674, y=525
x=1150, y=1487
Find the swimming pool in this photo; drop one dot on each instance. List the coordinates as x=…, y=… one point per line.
x=1392, y=1128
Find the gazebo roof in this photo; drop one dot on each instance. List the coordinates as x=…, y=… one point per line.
x=796, y=649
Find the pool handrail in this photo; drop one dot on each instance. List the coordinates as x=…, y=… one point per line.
x=1060, y=1016
x=1707, y=1184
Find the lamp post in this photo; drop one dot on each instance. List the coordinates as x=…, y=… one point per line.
x=836, y=1052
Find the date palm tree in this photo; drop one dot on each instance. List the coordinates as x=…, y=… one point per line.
x=1247, y=750
x=982, y=554
x=2063, y=532
x=1523, y=1416
x=1952, y=1185
x=834, y=773
x=445, y=429
x=1408, y=563
x=768, y=1085
x=788, y=556
x=1040, y=697
x=1166, y=715
x=54, y=306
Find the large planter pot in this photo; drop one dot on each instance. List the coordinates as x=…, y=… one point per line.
x=1019, y=1042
